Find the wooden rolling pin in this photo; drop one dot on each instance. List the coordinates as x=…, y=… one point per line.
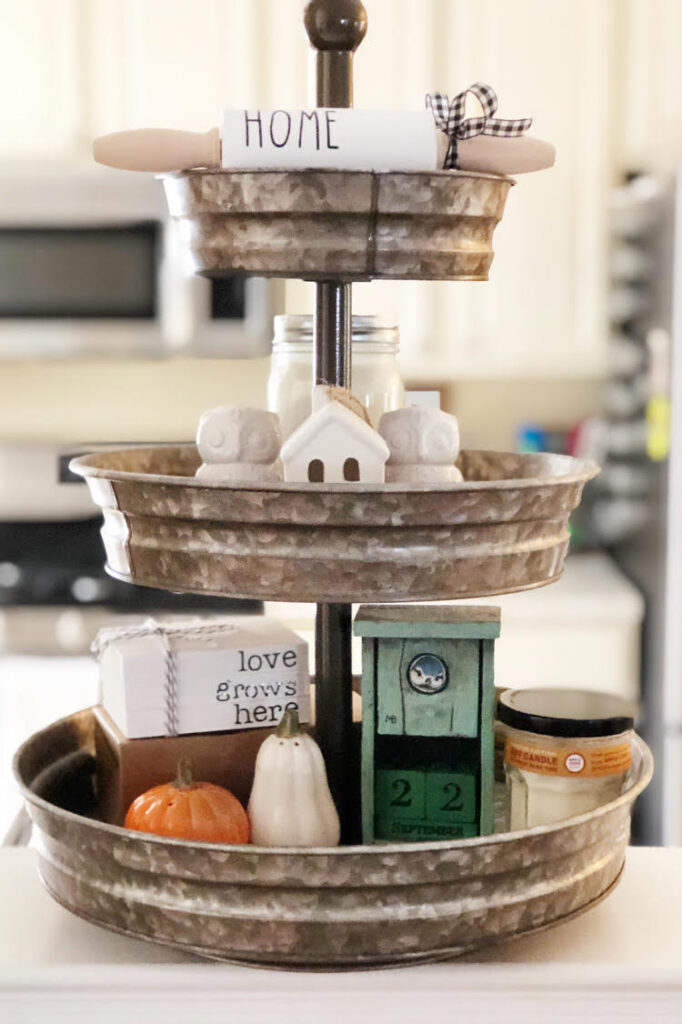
x=291, y=144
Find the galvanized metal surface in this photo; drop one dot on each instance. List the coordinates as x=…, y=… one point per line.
x=343, y=908
x=503, y=529
x=345, y=225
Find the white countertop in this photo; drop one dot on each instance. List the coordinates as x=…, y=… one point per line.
x=621, y=961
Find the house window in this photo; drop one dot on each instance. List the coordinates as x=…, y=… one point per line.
x=316, y=472
x=351, y=470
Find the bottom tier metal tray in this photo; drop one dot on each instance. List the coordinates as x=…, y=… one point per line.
x=504, y=528
x=320, y=909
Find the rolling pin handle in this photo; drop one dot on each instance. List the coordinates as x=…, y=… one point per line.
x=158, y=149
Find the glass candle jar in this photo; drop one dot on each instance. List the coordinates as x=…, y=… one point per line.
x=565, y=752
x=375, y=374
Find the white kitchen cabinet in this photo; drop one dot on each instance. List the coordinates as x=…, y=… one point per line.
x=42, y=109
x=172, y=63
x=543, y=309
x=602, y=80
x=542, y=312
x=651, y=100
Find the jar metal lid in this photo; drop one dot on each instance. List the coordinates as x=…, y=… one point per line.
x=568, y=713
x=296, y=328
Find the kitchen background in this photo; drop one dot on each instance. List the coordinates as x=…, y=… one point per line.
x=105, y=338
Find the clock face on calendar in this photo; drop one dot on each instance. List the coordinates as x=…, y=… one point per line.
x=427, y=673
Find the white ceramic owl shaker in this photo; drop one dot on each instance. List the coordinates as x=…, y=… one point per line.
x=424, y=444
x=239, y=445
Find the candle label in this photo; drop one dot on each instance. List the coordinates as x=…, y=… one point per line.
x=326, y=137
x=586, y=763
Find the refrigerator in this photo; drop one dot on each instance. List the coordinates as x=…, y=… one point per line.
x=645, y=537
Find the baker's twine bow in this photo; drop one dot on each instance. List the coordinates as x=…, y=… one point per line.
x=449, y=117
x=194, y=629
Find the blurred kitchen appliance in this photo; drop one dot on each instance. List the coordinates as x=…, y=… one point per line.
x=54, y=592
x=642, y=519
x=90, y=263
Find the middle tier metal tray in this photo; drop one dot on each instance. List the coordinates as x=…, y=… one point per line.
x=504, y=528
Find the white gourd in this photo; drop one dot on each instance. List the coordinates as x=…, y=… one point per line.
x=290, y=802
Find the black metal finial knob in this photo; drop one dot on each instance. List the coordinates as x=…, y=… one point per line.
x=335, y=24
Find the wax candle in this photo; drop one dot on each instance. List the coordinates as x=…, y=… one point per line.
x=566, y=752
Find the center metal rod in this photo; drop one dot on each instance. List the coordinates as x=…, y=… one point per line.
x=332, y=333
x=335, y=29
x=333, y=623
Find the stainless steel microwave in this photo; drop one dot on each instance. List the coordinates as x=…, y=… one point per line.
x=90, y=263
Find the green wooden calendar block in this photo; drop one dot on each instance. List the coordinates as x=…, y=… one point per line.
x=399, y=794
x=427, y=736
x=451, y=797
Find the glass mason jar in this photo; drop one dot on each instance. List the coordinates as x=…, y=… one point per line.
x=375, y=373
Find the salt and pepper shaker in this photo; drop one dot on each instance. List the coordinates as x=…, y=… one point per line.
x=239, y=444
x=424, y=444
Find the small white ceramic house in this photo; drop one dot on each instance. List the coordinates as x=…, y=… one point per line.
x=334, y=445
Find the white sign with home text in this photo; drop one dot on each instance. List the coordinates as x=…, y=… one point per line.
x=329, y=137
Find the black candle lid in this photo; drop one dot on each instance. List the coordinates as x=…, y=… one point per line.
x=565, y=712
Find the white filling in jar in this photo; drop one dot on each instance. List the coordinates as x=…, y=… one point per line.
x=375, y=374
x=566, y=752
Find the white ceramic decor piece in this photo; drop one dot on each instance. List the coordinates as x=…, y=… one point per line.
x=335, y=444
x=423, y=443
x=239, y=445
x=290, y=803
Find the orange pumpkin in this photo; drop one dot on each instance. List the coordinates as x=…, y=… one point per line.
x=186, y=809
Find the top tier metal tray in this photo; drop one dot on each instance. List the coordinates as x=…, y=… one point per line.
x=503, y=528
x=345, y=225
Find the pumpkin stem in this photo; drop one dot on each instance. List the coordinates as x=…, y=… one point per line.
x=289, y=725
x=184, y=775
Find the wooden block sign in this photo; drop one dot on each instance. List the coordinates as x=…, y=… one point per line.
x=243, y=677
x=427, y=735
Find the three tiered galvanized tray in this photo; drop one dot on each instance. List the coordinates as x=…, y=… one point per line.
x=503, y=528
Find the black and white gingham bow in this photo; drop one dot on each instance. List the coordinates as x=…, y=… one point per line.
x=449, y=117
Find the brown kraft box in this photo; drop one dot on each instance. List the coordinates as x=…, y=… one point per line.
x=126, y=768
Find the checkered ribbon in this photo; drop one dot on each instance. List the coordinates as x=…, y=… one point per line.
x=150, y=627
x=449, y=117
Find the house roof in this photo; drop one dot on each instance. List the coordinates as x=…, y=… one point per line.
x=312, y=431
